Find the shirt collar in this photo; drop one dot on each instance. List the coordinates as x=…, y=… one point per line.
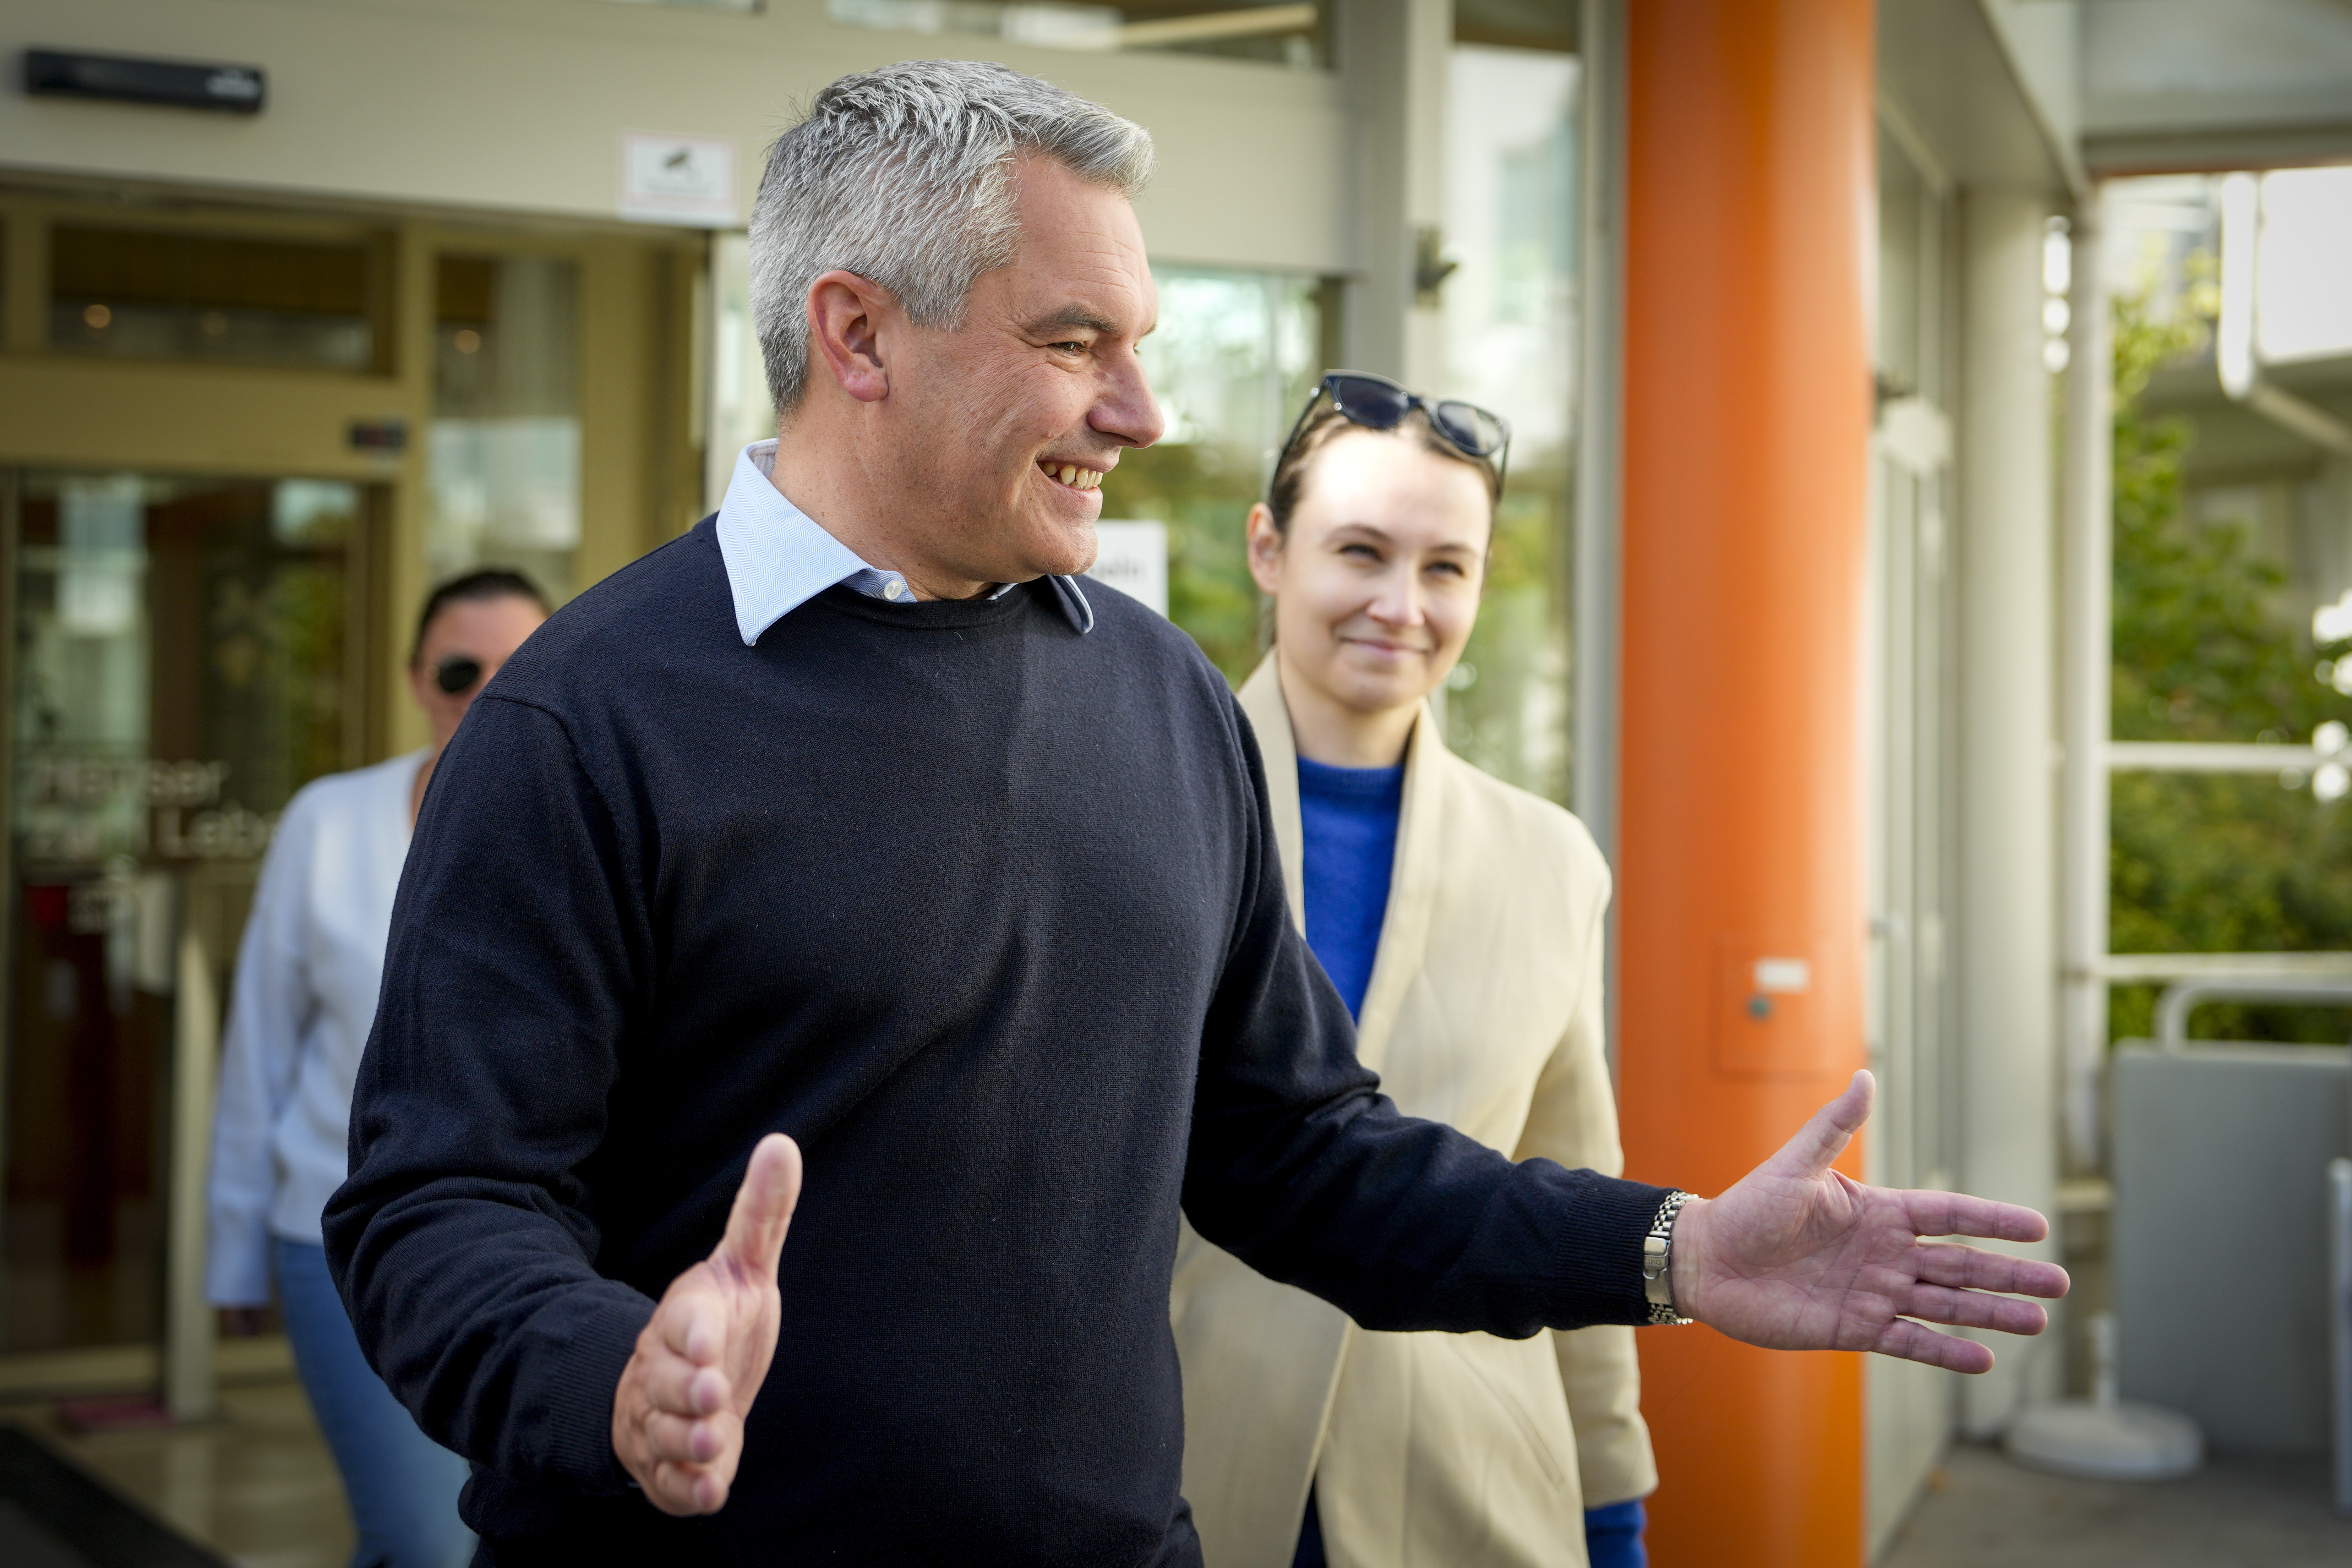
x=778, y=557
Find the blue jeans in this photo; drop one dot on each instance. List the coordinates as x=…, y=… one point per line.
x=402, y=1485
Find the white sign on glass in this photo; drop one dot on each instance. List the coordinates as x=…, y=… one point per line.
x=1133, y=559
x=684, y=179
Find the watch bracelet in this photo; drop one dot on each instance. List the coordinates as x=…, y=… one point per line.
x=1657, y=1287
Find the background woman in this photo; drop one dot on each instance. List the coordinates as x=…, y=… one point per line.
x=307, y=976
x=1461, y=920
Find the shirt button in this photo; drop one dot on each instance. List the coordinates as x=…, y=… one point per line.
x=893, y=588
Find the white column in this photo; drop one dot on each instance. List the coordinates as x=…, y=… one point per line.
x=1597, y=665
x=2086, y=677
x=2008, y=947
x=1392, y=54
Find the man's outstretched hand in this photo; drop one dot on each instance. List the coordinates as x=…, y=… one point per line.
x=1796, y=1257
x=677, y=1414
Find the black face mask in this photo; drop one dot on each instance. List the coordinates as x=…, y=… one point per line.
x=457, y=674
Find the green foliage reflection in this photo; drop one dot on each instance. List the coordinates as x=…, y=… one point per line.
x=2209, y=863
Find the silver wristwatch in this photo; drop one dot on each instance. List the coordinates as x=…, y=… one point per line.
x=1657, y=1261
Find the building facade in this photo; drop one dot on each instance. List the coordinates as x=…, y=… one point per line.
x=1777, y=297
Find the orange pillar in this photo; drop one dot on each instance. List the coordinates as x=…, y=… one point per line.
x=1749, y=233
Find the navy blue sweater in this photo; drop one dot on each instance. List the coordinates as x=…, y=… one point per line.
x=987, y=914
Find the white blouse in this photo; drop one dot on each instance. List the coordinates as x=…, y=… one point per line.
x=307, y=976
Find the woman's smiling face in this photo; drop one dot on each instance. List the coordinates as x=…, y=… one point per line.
x=1376, y=586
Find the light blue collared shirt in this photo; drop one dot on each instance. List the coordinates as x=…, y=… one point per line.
x=778, y=557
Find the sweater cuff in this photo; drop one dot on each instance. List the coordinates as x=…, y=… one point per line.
x=577, y=1386
x=1600, y=1252
x=236, y=1265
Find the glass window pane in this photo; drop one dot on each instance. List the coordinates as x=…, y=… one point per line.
x=172, y=295
x=2230, y=531
x=1231, y=363
x=1901, y=266
x=2228, y=863
x=179, y=672
x=1511, y=218
x=1516, y=24
x=504, y=455
x=2233, y=619
x=739, y=409
x=1278, y=32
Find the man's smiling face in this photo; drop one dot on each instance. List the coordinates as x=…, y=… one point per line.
x=1010, y=423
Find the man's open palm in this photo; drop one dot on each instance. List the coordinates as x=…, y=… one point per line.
x=1798, y=1256
x=678, y=1414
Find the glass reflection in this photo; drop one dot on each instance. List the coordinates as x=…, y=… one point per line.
x=1511, y=215
x=170, y=295
x=179, y=671
x=504, y=450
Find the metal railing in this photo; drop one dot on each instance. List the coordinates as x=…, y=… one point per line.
x=2183, y=997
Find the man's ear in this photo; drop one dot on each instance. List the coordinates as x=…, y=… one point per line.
x=845, y=315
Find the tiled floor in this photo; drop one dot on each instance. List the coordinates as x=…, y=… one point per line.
x=256, y=1486
x=2237, y=1513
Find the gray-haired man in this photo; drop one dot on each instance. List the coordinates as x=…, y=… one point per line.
x=850, y=816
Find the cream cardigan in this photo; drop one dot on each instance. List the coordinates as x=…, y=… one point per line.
x=1484, y=1010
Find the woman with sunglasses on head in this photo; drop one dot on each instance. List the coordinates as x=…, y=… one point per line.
x=303, y=1002
x=1461, y=921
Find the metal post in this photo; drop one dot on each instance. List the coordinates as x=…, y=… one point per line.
x=2086, y=674
x=1595, y=666
x=190, y=1389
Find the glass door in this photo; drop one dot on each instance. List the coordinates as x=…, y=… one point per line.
x=179, y=669
x=237, y=445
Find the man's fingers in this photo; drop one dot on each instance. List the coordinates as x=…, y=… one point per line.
x=1906, y=1340
x=691, y=1321
x=1974, y=1309
x=763, y=1209
x=678, y=1440
x=675, y=1385
x=1957, y=1214
x=1832, y=1127
x=1971, y=1268
x=687, y=1489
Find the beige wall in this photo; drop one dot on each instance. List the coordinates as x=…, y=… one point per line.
x=518, y=106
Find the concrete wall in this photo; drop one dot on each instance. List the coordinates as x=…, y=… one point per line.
x=517, y=106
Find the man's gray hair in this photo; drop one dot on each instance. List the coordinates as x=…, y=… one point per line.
x=904, y=176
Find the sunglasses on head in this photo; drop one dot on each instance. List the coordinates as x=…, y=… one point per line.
x=1378, y=403
x=457, y=673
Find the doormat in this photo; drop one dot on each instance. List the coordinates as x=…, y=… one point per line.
x=53, y=1514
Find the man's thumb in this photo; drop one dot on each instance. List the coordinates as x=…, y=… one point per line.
x=763, y=1208
x=1832, y=1127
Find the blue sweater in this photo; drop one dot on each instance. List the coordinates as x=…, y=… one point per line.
x=1348, y=825
x=986, y=914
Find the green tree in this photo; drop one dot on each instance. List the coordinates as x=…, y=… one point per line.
x=2209, y=863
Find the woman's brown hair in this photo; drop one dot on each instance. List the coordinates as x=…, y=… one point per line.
x=1326, y=425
